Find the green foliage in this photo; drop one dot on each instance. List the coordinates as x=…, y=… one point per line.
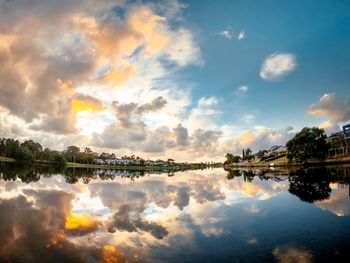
x=13, y=149
x=308, y=144
x=59, y=161
x=247, y=154
x=230, y=158
x=32, y=147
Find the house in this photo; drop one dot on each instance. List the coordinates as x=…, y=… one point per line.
x=279, y=149
x=339, y=143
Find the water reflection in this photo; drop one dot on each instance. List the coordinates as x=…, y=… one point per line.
x=195, y=216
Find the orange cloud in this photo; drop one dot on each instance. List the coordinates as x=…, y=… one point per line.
x=111, y=254
x=247, y=138
x=117, y=76
x=81, y=223
x=56, y=239
x=250, y=189
x=86, y=104
x=151, y=26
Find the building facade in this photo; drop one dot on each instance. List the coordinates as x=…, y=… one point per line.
x=339, y=144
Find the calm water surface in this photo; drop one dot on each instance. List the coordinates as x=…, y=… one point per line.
x=194, y=216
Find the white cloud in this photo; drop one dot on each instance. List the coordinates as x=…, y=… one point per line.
x=243, y=89
x=257, y=138
x=335, y=107
x=277, y=65
x=241, y=35
x=204, y=115
x=226, y=33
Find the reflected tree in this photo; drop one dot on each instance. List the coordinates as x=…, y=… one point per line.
x=310, y=185
x=232, y=173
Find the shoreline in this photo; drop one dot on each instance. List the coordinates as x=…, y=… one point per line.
x=121, y=167
x=342, y=161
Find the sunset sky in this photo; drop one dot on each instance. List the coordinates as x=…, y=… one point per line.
x=189, y=80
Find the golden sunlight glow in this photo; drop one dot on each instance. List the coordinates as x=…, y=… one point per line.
x=250, y=189
x=110, y=254
x=6, y=41
x=80, y=222
x=247, y=138
x=85, y=105
x=333, y=186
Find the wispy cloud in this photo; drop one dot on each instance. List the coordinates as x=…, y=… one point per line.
x=277, y=65
x=248, y=118
x=241, y=35
x=226, y=33
x=243, y=89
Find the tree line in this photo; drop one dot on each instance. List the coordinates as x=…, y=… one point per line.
x=30, y=151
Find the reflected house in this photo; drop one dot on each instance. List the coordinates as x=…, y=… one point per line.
x=117, y=161
x=339, y=143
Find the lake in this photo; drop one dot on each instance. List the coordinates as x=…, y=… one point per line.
x=208, y=215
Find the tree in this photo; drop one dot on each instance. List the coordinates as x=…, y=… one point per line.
x=247, y=154
x=308, y=144
x=72, y=152
x=311, y=185
x=33, y=147
x=59, y=161
x=230, y=158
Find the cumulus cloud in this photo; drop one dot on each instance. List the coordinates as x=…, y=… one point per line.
x=277, y=65
x=181, y=135
x=49, y=70
x=257, y=139
x=335, y=107
x=43, y=220
x=130, y=131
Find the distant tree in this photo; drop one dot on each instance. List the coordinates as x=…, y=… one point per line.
x=230, y=158
x=59, y=161
x=2, y=146
x=248, y=151
x=88, y=155
x=72, y=152
x=308, y=144
x=33, y=147
x=236, y=159
x=247, y=154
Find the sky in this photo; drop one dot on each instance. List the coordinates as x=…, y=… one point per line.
x=189, y=80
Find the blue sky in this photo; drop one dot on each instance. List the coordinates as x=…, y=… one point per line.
x=189, y=80
x=316, y=32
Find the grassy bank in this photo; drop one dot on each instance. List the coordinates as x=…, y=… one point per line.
x=119, y=167
x=7, y=160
